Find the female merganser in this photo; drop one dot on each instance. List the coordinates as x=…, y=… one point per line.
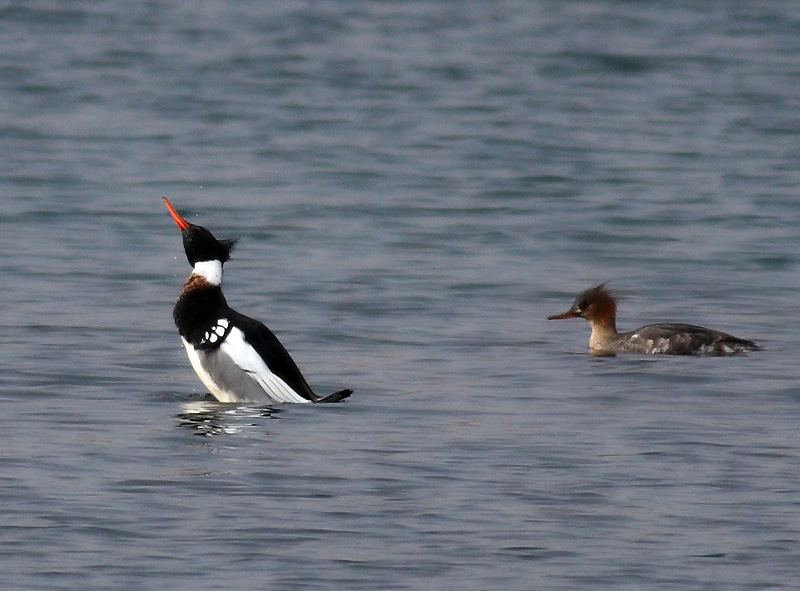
x=599, y=307
x=237, y=358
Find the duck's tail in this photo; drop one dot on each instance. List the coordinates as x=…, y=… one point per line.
x=735, y=345
x=335, y=397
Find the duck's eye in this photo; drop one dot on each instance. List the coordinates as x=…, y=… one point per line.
x=583, y=304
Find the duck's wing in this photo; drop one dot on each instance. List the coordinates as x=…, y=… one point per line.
x=686, y=339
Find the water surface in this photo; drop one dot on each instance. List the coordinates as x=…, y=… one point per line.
x=415, y=186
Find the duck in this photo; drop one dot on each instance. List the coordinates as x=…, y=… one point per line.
x=236, y=357
x=598, y=305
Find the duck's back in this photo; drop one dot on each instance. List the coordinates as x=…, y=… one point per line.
x=682, y=339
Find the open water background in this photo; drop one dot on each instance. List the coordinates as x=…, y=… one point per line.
x=415, y=186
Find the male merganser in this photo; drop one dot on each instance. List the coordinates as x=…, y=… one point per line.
x=237, y=358
x=599, y=307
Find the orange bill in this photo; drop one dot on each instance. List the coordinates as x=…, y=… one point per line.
x=182, y=223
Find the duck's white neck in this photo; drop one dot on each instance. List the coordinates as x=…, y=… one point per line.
x=604, y=338
x=211, y=271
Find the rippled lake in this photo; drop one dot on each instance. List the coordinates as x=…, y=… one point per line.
x=415, y=187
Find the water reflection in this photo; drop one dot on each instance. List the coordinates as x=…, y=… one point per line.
x=209, y=418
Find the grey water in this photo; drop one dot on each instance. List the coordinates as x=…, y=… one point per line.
x=415, y=187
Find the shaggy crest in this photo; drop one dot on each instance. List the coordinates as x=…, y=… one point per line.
x=598, y=305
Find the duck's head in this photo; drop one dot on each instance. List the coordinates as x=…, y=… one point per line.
x=205, y=253
x=597, y=305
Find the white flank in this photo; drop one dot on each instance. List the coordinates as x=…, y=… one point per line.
x=250, y=361
x=194, y=359
x=211, y=271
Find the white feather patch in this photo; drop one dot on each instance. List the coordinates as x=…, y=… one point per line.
x=213, y=334
x=211, y=271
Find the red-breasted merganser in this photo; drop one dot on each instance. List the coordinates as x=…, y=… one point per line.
x=599, y=307
x=237, y=358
